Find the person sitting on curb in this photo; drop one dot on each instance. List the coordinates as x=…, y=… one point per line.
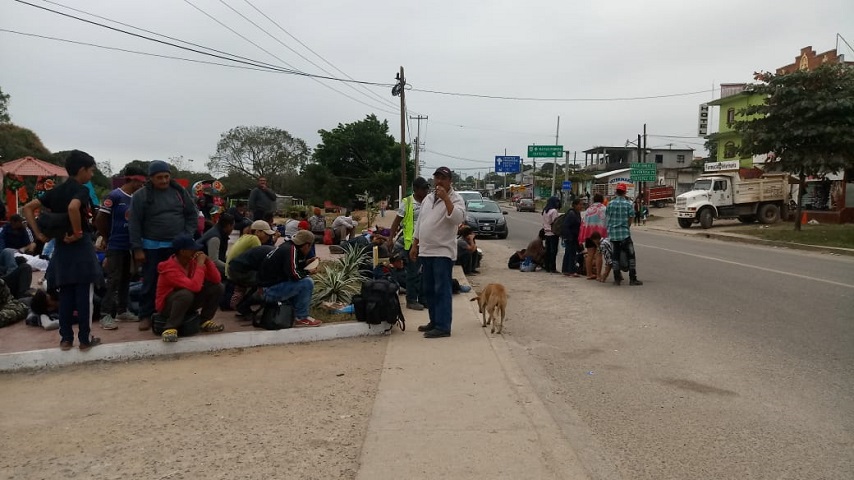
x=261, y=235
x=187, y=281
x=243, y=273
x=215, y=241
x=17, y=235
x=467, y=251
x=317, y=225
x=284, y=276
x=343, y=227
x=11, y=310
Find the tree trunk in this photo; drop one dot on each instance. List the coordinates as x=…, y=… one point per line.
x=802, y=184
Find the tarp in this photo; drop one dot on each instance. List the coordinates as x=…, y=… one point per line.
x=29, y=166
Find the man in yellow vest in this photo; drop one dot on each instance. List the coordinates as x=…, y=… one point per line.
x=406, y=217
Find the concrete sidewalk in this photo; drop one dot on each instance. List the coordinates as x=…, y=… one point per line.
x=459, y=407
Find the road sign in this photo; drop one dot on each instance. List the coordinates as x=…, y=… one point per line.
x=505, y=164
x=643, y=172
x=567, y=185
x=545, y=151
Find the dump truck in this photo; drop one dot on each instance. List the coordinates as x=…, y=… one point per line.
x=726, y=195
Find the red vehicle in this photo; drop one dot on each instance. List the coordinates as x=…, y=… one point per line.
x=660, y=196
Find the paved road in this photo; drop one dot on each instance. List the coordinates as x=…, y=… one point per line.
x=732, y=361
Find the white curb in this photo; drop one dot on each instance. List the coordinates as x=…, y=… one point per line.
x=54, y=357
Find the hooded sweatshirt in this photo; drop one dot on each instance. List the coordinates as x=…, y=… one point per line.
x=174, y=276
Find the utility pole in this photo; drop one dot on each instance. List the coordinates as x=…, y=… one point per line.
x=400, y=89
x=554, y=162
x=418, y=144
x=644, y=159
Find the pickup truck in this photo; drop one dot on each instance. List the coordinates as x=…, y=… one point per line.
x=727, y=195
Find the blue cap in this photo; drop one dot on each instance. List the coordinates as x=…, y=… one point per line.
x=156, y=167
x=185, y=242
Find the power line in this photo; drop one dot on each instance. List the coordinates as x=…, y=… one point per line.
x=545, y=99
x=527, y=134
x=280, y=27
x=459, y=158
x=253, y=63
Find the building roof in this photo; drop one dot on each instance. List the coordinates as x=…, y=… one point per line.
x=29, y=166
x=602, y=149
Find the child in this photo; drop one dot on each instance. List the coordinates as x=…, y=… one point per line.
x=644, y=213
x=605, y=250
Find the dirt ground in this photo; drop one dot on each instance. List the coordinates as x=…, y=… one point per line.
x=292, y=411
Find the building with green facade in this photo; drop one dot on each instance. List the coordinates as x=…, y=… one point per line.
x=732, y=103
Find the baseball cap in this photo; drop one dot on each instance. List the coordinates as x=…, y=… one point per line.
x=302, y=237
x=621, y=187
x=263, y=226
x=443, y=171
x=185, y=242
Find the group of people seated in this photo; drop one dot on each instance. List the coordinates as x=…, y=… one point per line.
x=142, y=257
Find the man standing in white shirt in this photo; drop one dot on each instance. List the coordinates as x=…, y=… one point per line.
x=435, y=245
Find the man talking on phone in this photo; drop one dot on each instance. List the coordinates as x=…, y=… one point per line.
x=435, y=244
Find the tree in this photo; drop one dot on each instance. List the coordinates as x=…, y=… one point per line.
x=806, y=123
x=359, y=156
x=4, y=107
x=260, y=152
x=17, y=142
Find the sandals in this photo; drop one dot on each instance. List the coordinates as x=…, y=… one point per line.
x=211, y=326
x=169, y=335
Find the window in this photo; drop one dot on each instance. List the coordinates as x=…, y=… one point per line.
x=659, y=159
x=720, y=185
x=729, y=150
x=680, y=158
x=730, y=116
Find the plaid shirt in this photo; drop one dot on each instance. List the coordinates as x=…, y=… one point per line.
x=619, y=212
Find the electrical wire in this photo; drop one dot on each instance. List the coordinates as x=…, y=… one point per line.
x=546, y=99
x=280, y=27
x=253, y=63
x=490, y=162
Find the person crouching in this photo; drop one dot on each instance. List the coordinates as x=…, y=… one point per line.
x=285, y=277
x=187, y=281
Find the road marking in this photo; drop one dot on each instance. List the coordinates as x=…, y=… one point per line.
x=764, y=269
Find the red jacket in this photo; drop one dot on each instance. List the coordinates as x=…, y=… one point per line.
x=174, y=276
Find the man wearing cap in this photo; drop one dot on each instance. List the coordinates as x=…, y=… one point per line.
x=262, y=200
x=160, y=211
x=259, y=234
x=112, y=225
x=407, y=216
x=284, y=276
x=187, y=281
x=434, y=243
x=619, y=213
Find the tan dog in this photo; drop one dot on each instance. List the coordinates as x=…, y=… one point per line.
x=492, y=300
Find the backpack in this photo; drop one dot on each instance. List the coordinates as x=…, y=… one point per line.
x=557, y=224
x=275, y=316
x=378, y=302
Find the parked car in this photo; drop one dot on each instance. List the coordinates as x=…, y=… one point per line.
x=525, y=205
x=486, y=219
x=469, y=195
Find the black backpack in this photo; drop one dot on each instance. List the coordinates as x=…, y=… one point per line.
x=274, y=316
x=378, y=302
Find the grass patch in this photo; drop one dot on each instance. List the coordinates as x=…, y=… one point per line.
x=326, y=316
x=823, y=235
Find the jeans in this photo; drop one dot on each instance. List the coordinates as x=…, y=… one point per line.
x=629, y=247
x=552, y=243
x=149, y=279
x=437, y=279
x=300, y=291
x=414, y=291
x=468, y=260
x=182, y=301
x=75, y=296
x=569, y=256
x=7, y=260
x=118, y=282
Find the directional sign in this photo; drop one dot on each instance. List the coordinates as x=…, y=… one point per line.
x=505, y=164
x=567, y=185
x=643, y=172
x=545, y=151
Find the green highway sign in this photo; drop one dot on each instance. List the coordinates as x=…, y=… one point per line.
x=643, y=172
x=545, y=151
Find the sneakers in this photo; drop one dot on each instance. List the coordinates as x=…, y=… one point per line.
x=337, y=249
x=94, y=342
x=436, y=334
x=144, y=324
x=414, y=306
x=635, y=282
x=425, y=328
x=108, y=322
x=127, y=317
x=169, y=335
x=211, y=326
x=307, y=322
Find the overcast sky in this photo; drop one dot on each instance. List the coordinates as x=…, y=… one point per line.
x=120, y=106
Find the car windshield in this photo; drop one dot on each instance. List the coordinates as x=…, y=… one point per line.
x=469, y=196
x=703, y=185
x=484, y=207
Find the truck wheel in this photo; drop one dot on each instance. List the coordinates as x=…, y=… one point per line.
x=747, y=218
x=769, y=213
x=706, y=218
x=684, y=222
x=659, y=204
